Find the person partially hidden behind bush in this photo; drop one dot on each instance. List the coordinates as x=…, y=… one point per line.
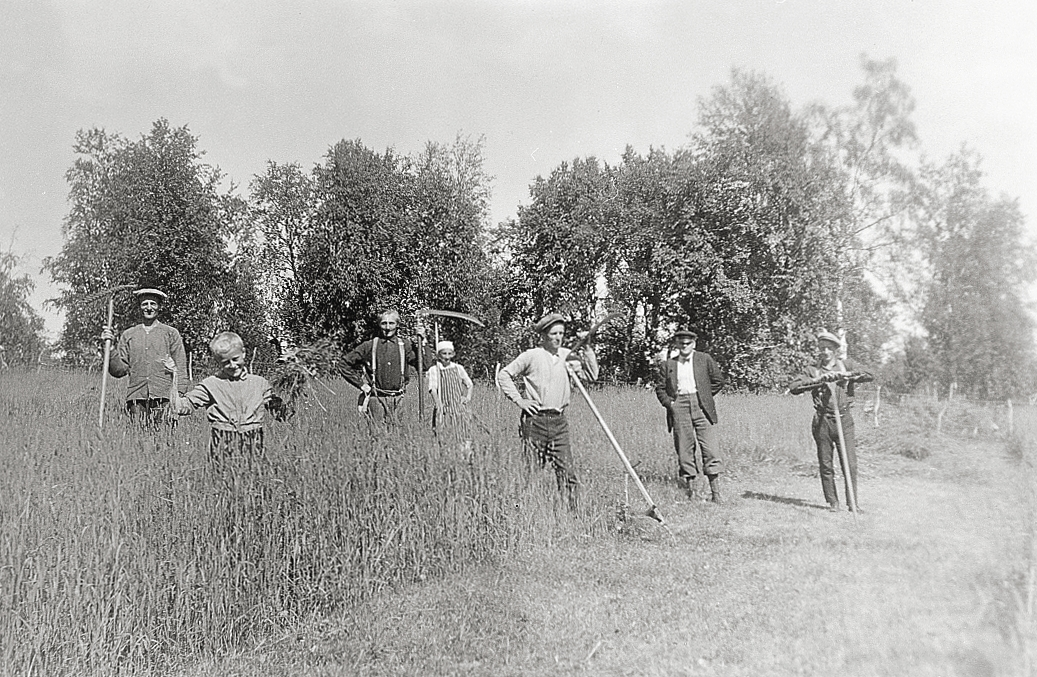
x=830, y=376
x=234, y=400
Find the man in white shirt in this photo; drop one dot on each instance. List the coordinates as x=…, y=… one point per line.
x=685, y=386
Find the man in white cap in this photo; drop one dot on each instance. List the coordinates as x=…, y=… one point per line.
x=843, y=374
x=139, y=354
x=544, y=374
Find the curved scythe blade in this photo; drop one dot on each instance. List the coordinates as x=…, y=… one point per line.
x=589, y=336
x=450, y=313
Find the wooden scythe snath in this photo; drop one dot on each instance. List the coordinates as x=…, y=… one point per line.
x=653, y=510
x=586, y=339
x=107, y=359
x=844, y=459
x=421, y=368
x=110, y=293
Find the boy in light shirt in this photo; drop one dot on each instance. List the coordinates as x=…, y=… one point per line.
x=234, y=400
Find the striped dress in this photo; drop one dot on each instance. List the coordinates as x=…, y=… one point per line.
x=449, y=386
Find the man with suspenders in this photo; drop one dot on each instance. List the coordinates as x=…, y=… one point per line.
x=379, y=368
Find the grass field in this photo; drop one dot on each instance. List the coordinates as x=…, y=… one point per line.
x=347, y=550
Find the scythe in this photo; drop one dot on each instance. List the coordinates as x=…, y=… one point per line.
x=110, y=293
x=421, y=368
x=586, y=339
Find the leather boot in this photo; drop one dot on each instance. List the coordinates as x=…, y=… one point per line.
x=714, y=487
x=693, y=494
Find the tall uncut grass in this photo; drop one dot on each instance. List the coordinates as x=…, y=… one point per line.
x=126, y=552
x=1023, y=444
x=123, y=551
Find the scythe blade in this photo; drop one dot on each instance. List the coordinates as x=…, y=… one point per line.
x=450, y=313
x=590, y=335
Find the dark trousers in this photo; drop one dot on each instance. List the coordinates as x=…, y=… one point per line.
x=691, y=427
x=241, y=445
x=826, y=436
x=150, y=414
x=384, y=408
x=545, y=438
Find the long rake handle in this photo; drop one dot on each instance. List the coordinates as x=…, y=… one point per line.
x=107, y=359
x=653, y=510
x=843, y=458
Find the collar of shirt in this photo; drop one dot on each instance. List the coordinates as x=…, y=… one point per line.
x=685, y=378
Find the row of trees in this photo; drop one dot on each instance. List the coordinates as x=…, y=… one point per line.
x=769, y=223
x=150, y=212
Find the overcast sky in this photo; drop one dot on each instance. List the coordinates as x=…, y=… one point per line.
x=544, y=82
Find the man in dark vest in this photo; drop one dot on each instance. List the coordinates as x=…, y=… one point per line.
x=381, y=367
x=685, y=386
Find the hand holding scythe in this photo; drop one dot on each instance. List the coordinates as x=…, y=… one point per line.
x=107, y=335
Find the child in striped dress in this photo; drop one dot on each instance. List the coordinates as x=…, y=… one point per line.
x=234, y=400
x=451, y=390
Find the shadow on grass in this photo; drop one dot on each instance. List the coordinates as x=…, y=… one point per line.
x=783, y=499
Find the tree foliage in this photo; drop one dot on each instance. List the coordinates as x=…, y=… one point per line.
x=977, y=267
x=367, y=230
x=20, y=324
x=768, y=224
x=739, y=234
x=150, y=213
x=283, y=208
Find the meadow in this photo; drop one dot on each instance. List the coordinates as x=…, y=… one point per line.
x=129, y=553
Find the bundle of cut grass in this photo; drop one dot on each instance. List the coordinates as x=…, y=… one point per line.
x=298, y=368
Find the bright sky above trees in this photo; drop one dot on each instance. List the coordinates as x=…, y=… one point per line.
x=543, y=81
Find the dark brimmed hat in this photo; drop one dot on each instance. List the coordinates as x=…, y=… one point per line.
x=829, y=337
x=684, y=334
x=154, y=293
x=548, y=321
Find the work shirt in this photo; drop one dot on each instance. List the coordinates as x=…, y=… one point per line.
x=230, y=404
x=821, y=393
x=544, y=376
x=391, y=375
x=139, y=353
